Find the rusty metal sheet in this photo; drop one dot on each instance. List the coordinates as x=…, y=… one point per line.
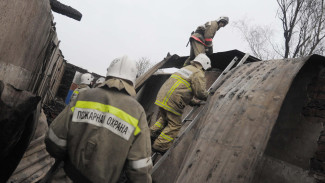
x=229, y=139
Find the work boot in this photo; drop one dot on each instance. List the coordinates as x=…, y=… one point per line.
x=157, y=151
x=154, y=136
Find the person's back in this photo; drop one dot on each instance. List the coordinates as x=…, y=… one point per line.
x=104, y=146
x=103, y=132
x=86, y=79
x=180, y=88
x=201, y=39
x=173, y=96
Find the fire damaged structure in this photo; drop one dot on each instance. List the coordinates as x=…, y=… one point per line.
x=31, y=69
x=261, y=125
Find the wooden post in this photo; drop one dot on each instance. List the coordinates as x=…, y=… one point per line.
x=68, y=11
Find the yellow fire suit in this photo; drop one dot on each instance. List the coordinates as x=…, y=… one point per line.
x=174, y=95
x=201, y=40
x=103, y=132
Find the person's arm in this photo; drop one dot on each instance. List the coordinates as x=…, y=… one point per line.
x=211, y=29
x=139, y=163
x=209, y=50
x=56, y=137
x=74, y=95
x=199, y=85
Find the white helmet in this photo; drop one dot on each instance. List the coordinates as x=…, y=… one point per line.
x=86, y=79
x=124, y=68
x=204, y=60
x=223, y=19
x=100, y=80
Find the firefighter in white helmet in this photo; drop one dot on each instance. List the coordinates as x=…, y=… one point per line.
x=177, y=92
x=104, y=132
x=201, y=39
x=98, y=82
x=85, y=82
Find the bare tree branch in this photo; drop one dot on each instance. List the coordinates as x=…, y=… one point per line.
x=143, y=64
x=259, y=40
x=303, y=26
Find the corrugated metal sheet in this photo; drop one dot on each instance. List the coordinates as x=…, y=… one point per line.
x=228, y=141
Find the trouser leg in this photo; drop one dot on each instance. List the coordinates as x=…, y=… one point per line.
x=156, y=128
x=169, y=133
x=196, y=48
x=59, y=176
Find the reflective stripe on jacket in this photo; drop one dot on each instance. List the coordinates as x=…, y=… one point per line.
x=100, y=133
x=76, y=92
x=180, y=88
x=95, y=113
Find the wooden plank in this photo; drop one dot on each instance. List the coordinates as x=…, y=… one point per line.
x=141, y=80
x=63, y=9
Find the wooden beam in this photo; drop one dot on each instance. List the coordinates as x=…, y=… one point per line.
x=68, y=11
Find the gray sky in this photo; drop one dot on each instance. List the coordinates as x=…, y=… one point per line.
x=151, y=28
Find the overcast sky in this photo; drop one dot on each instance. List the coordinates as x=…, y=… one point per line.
x=151, y=28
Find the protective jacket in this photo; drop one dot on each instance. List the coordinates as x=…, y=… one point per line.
x=81, y=87
x=103, y=131
x=205, y=33
x=180, y=88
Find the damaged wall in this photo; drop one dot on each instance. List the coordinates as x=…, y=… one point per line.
x=30, y=60
x=29, y=46
x=67, y=79
x=294, y=137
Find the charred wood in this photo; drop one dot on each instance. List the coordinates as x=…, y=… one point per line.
x=68, y=11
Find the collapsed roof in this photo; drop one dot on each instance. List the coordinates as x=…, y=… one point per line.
x=230, y=140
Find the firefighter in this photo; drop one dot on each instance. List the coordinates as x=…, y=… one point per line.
x=201, y=39
x=177, y=92
x=85, y=82
x=98, y=82
x=104, y=132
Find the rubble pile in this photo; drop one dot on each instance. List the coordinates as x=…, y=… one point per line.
x=53, y=109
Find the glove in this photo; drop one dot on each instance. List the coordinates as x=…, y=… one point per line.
x=195, y=102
